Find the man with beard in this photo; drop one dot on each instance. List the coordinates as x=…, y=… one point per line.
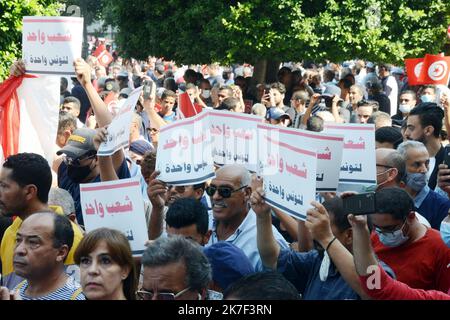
x=25, y=182
x=424, y=124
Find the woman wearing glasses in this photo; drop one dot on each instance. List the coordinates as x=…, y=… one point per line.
x=106, y=266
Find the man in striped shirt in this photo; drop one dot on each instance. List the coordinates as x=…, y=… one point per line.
x=42, y=244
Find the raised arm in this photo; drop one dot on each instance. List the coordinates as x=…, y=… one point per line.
x=268, y=247
x=312, y=102
x=156, y=191
x=102, y=116
x=318, y=223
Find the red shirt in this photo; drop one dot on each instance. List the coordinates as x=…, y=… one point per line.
x=423, y=264
x=391, y=289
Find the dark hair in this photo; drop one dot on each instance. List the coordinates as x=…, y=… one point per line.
x=385, y=66
x=346, y=83
x=66, y=121
x=228, y=104
x=199, y=186
x=168, y=93
x=62, y=231
x=262, y=286
x=278, y=86
x=389, y=134
x=31, y=168
x=315, y=124
x=429, y=115
x=174, y=249
x=429, y=86
x=74, y=100
x=368, y=103
x=394, y=201
x=336, y=208
x=188, y=211
x=328, y=75
x=119, y=251
x=170, y=84
x=191, y=74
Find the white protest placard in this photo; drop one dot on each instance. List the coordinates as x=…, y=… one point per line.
x=184, y=151
x=329, y=153
x=234, y=138
x=289, y=172
x=117, y=205
x=358, y=166
x=51, y=44
x=119, y=129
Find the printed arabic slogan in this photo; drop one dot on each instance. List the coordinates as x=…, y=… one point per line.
x=51, y=44
x=289, y=172
x=357, y=169
x=184, y=151
x=117, y=205
x=329, y=153
x=119, y=129
x=234, y=138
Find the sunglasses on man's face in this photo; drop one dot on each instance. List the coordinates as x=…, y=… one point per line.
x=77, y=162
x=224, y=191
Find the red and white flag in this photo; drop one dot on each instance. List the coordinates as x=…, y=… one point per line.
x=435, y=70
x=29, y=113
x=186, y=108
x=413, y=68
x=103, y=56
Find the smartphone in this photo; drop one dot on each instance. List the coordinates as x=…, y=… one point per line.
x=148, y=88
x=447, y=155
x=359, y=204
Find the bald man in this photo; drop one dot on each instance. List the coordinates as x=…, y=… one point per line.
x=234, y=221
x=390, y=168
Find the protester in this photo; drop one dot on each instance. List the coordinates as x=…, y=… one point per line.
x=388, y=137
x=25, y=181
x=385, y=288
x=175, y=269
x=416, y=253
x=43, y=242
x=106, y=266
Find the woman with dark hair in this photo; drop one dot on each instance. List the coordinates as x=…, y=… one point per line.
x=106, y=266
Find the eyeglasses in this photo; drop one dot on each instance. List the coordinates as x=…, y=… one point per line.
x=152, y=130
x=77, y=162
x=148, y=295
x=224, y=192
x=390, y=229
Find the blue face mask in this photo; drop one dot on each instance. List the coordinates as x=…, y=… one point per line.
x=426, y=98
x=392, y=239
x=416, y=181
x=445, y=233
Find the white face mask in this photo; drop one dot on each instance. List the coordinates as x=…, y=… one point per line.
x=404, y=108
x=206, y=94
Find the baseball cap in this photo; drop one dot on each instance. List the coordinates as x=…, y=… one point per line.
x=228, y=263
x=111, y=85
x=370, y=65
x=125, y=92
x=332, y=90
x=79, y=143
x=160, y=68
x=140, y=147
x=277, y=113
x=122, y=74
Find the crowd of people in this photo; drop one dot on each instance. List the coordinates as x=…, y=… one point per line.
x=220, y=239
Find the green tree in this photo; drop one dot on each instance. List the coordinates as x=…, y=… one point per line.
x=200, y=31
x=11, y=13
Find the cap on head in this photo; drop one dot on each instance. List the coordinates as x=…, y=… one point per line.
x=278, y=114
x=79, y=143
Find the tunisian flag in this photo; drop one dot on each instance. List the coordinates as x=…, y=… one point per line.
x=103, y=56
x=185, y=107
x=435, y=70
x=413, y=68
x=29, y=112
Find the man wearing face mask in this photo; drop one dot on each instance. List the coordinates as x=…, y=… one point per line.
x=424, y=124
x=428, y=203
x=407, y=101
x=428, y=94
x=416, y=253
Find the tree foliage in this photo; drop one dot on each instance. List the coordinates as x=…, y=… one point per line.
x=11, y=13
x=201, y=31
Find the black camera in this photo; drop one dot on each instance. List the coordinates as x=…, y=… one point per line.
x=359, y=204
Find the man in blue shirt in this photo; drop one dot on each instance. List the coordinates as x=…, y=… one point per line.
x=325, y=273
x=431, y=205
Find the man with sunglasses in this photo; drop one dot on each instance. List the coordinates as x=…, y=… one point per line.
x=416, y=253
x=234, y=220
